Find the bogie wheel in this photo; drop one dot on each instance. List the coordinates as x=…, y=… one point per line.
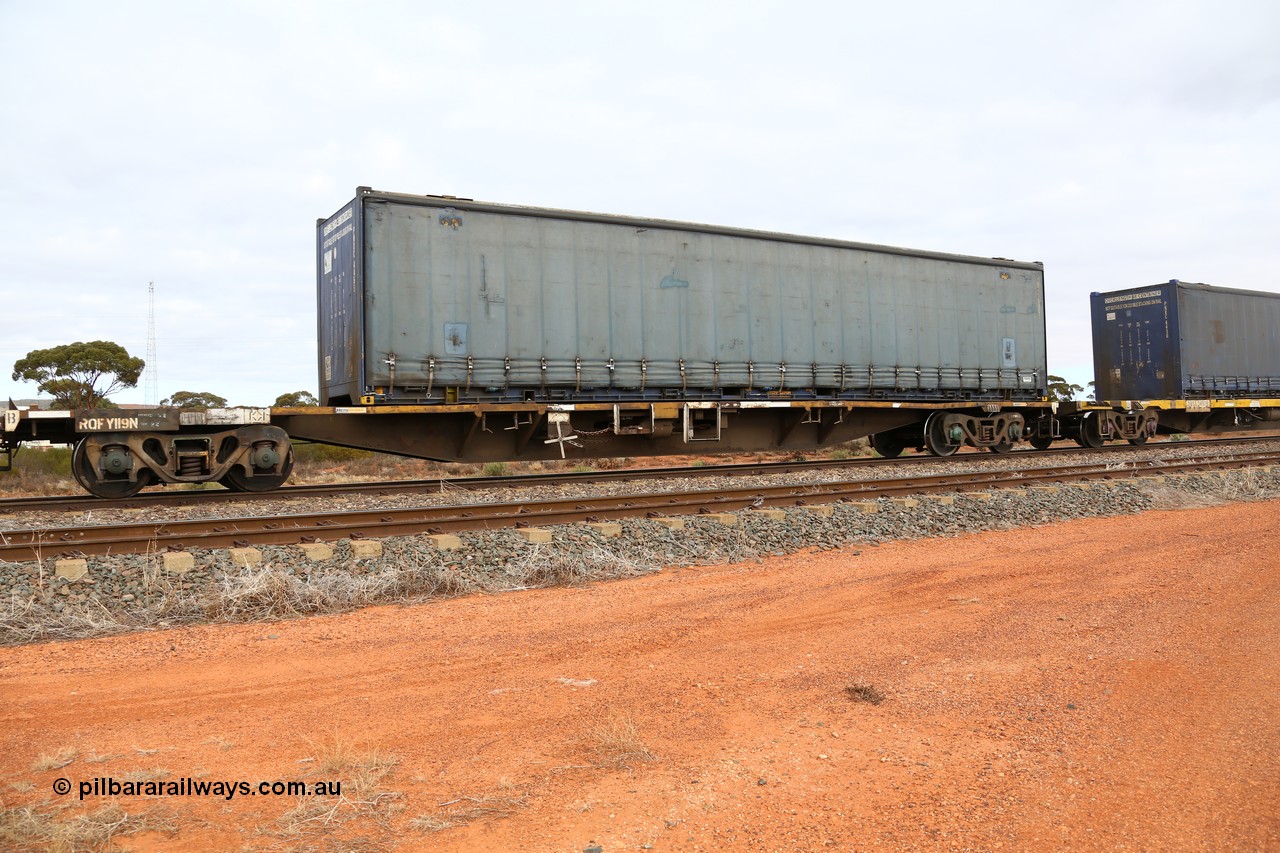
x=888, y=445
x=87, y=476
x=1041, y=442
x=237, y=481
x=1004, y=446
x=1142, y=439
x=1090, y=434
x=935, y=438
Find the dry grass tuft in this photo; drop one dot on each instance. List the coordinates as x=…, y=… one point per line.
x=431, y=823
x=1172, y=497
x=616, y=743
x=342, y=756
x=361, y=773
x=1246, y=484
x=465, y=810
x=27, y=828
x=1238, y=484
x=864, y=693
x=267, y=592
x=53, y=761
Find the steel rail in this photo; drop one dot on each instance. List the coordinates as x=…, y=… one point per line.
x=75, y=503
x=26, y=545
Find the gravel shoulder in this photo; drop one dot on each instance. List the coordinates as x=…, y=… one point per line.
x=1093, y=684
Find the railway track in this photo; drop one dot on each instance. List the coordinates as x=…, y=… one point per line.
x=26, y=545
x=174, y=497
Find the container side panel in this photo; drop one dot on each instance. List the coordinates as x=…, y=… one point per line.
x=797, y=266
x=1230, y=341
x=857, y=326
x=826, y=334
x=482, y=301
x=702, y=320
x=734, y=317
x=338, y=305
x=626, y=315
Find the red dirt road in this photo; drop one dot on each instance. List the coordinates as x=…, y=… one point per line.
x=1100, y=685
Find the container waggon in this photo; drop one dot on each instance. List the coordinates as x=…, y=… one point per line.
x=458, y=330
x=475, y=331
x=1185, y=357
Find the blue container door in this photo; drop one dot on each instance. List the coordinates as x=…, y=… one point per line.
x=1135, y=344
x=338, y=290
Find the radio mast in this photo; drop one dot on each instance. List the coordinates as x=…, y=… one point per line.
x=152, y=388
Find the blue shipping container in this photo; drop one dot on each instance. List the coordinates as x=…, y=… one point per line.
x=1180, y=340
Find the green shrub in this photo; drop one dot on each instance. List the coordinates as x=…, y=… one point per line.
x=39, y=471
x=55, y=461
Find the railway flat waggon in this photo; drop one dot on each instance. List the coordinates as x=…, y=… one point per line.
x=1181, y=357
x=614, y=335
x=458, y=330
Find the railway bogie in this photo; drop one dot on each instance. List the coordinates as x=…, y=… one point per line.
x=117, y=455
x=250, y=458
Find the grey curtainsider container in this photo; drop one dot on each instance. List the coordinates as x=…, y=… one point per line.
x=1180, y=340
x=427, y=299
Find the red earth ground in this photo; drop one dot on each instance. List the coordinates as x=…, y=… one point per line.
x=1109, y=684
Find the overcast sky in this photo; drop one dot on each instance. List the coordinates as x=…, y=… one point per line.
x=195, y=145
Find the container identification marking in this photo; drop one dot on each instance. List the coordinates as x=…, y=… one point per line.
x=336, y=237
x=344, y=216
x=1130, y=297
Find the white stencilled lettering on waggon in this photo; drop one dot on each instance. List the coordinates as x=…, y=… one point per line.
x=100, y=424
